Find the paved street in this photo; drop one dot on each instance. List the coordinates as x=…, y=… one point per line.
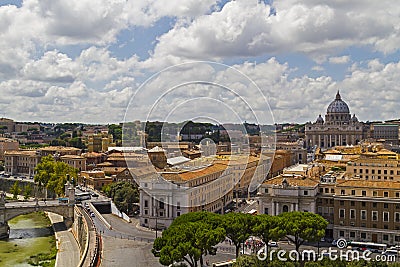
x=68, y=249
x=124, y=252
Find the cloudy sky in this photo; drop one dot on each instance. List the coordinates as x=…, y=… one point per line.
x=97, y=61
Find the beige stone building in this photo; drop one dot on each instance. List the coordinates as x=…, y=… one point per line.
x=21, y=162
x=368, y=211
x=7, y=144
x=338, y=129
x=75, y=161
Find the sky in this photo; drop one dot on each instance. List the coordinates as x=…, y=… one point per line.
x=95, y=61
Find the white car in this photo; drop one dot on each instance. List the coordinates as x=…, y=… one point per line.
x=272, y=244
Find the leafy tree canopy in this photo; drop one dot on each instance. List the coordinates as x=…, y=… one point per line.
x=303, y=226
x=53, y=174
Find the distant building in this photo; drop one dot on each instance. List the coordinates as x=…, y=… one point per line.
x=75, y=161
x=21, y=162
x=99, y=142
x=7, y=144
x=338, y=129
x=297, y=148
x=386, y=132
x=95, y=179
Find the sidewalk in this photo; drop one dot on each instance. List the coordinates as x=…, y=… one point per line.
x=68, y=249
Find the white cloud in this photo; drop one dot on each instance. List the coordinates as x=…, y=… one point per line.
x=317, y=68
x=339, y=60
x=316, y=28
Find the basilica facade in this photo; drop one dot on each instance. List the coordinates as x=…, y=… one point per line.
x=338, y=129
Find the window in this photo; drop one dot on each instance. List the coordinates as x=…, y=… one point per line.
x=363, y=215
x=374, y=193
x=352, y=214
x=305, y=192
x=352, y=203
x=385, y=216
x=161, y=214
x=385, y=237
x=397, y=194
x=265, y=210
x=341, y=202
x=363, y=204
x=353, y=192
x=343, y=192
x=397, y=217
x=374, y=215
x=146, y=212
x=178, y=205
x=178, y=214
x=332, y=190
x=353, y=234
x=397, y=238
x=341, y=233
x=146, y=203
x=363, y=235
x=363, y=193
x=386, y=194
x=374, y=204
x=326, y=190
x=161, y=204
x=385, y=205
x=341, y=213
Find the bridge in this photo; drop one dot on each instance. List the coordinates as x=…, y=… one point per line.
x=14, y=209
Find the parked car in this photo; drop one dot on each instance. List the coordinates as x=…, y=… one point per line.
x=92, y=214
x=272, y=244
x=94, y=194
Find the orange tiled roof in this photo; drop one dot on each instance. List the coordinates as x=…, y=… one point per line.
x=190, y=175
x=370, y=184
x=292, y=181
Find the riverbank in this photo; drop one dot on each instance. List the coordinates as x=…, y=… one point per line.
x=31, y=239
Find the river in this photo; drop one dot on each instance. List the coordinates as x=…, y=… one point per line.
x=31, y=239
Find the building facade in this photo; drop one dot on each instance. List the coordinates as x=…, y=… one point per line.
x=359, y=208
x=338, y=129
x=7, y=144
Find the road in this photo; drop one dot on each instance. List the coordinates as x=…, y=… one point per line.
x=68, y=249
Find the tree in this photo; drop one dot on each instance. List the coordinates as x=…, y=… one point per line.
x=238, y=227
x=302, y=226
x=123, y=194
x=27, y=191
x=188, y=238
x=15, y=190
x=268, y=228
x=248, y=261
x=52, y=174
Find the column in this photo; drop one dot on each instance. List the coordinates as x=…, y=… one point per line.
x=276, y=208
x=293, y=207
x=273, y=208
